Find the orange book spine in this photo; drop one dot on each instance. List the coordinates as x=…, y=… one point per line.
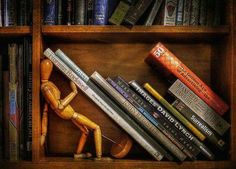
x=160, y=55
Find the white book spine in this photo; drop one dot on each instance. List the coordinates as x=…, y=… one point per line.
x=197, y=105
x=102, y=104
x=170, y=12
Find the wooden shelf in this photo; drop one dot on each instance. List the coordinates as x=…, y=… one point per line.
x=15, y=31
x=115, y=164
x=136, y=33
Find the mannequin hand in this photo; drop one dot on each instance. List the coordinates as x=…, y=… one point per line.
x=73, y=87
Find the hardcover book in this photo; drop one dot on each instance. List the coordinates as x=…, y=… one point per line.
x=136, y=12
x=203, y=13
x=100, y=12
x=13, y=105
x=200, y=124
x=1, y=108
x=145, y=119
x=119, y=13
x=153, y=13
x=50, y=12
x=187, y=10
x=197, y=105
x=90, y=9
x=170, y=12
x=75, y=74
x=204, y=150
x=80, y=12
x=1, y=13
x=180, y=12
x=194, y=14
x=9, y=12
x=161, y=56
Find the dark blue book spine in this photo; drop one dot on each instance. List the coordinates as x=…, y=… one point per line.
x=100, y=12
x=22, y=13
x=9, y=12
x=50, y=12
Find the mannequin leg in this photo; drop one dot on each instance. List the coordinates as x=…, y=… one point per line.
x=79, y=119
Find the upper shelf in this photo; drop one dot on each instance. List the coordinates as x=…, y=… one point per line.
x=136, y=33
x=15, y=31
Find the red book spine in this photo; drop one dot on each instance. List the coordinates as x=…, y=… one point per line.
x=160, y=55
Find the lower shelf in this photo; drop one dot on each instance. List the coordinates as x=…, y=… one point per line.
x=68, y=163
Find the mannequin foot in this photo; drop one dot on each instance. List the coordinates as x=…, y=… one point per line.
x=82, y=155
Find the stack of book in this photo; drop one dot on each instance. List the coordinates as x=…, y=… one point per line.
x=16, y=100
x=175, y=130
x=13, y=12
x=132, y=12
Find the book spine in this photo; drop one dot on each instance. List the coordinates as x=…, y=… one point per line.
x=22, y=18
x=177, y=124
x=187, y=11
x=1, y=107
x=159, y=20
x=203, y=12
x=90, y=9
x=161, y=122
x=13, y=105
x=199, y=123
x=1, y=20
x=109, y=108
x=172, y=110
x=28, y=94
x=20, y=98
x=100, y=12
x=149, y=123
x=153, y=13
x=118, y=15
x=197, y=105
x=13, y=123
x=50, y=12
x=80, y=12
x=9, y=12
x=60, y=12
x=6, y=80
x=180, y=12
x=170, y=12
x=194, y=14
x=69, y=12
x=136, y=12
x=161, y=55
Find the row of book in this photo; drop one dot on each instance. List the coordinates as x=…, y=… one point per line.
x=15, y=12
x=16, y=100
x=178, y=128
x=132, y=12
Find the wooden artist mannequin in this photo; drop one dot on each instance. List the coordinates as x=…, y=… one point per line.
x=63, y=109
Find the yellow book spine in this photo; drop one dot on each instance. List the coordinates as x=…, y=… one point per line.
x=178, y=115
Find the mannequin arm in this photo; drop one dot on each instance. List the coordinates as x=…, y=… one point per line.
x=54, y=103
x=44, y=124
x=71, y=96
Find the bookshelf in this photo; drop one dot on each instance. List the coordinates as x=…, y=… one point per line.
x=118, y=50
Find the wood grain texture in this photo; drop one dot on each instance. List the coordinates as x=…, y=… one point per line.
x=134, y=34
x=117, y=164
x=15, y=31
x=233, y=96
x=36, y=45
